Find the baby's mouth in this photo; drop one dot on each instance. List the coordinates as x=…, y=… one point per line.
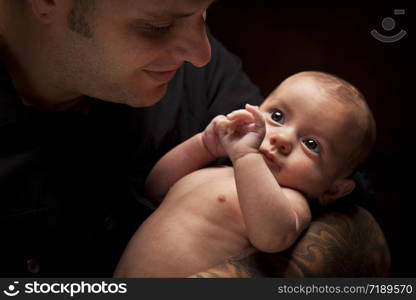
x=270, y=159
x=267, y=155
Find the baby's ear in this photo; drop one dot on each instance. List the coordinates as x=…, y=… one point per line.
x=340, y=188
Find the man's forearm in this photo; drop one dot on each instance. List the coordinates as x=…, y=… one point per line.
x=240, y=266
x=337, y=244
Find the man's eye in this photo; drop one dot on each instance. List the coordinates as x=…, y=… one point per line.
x=312, y=145
x=278, y=116
x=157, y=29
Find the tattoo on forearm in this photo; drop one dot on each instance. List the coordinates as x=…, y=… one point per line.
x=341, y=245
x=239, y=266
x=346, y=243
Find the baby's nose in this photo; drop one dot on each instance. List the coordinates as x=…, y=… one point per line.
x=282, y=143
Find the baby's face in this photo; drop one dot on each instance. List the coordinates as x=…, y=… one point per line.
x=309, y=137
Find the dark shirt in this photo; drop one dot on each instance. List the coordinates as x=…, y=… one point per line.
x=70, y=183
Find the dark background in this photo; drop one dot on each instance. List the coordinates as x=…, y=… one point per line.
x=275, y=39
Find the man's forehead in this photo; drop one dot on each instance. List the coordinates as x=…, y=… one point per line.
x=168, y=8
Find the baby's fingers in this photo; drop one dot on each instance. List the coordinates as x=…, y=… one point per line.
x=257, y=116
x=222, y=125
x=218, y=119
x=241, y=115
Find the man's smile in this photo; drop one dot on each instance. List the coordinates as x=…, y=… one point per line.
x=161, y=76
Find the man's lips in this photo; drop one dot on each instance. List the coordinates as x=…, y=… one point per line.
x=161, y=76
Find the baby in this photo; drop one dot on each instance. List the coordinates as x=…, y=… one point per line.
x=304, y=142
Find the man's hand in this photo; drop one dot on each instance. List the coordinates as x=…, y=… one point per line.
x=242, y=131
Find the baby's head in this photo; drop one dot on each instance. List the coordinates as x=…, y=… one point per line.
x=319, y=130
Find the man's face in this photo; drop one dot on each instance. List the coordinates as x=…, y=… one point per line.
x=135, y=48
x=309, y=136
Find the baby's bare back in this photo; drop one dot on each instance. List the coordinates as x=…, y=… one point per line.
x=198, y=225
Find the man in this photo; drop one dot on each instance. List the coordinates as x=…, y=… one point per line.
x=71, y=165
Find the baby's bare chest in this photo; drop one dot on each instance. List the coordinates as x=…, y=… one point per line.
x=208, y=193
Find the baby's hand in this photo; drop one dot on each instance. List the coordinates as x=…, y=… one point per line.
x=210, y=137
x=242, y=132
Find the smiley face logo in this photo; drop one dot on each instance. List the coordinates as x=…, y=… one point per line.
x=11, y=290
x=389, y=24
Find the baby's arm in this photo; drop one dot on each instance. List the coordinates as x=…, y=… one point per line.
x=192, y=154
x=274, y=216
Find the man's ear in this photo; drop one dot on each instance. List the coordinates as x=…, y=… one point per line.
x=43, y=9
x=340, y=188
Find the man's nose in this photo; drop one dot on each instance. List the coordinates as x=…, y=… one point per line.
x=193, y=46
x=282, y=142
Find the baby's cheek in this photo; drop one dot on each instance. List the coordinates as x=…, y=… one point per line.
x=305, y=178
x=317, y=185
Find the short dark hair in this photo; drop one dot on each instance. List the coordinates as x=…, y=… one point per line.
x=78, y=17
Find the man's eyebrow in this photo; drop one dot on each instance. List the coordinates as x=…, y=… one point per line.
x=168, y=14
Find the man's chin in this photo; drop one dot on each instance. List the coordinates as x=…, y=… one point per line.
x=151, y=97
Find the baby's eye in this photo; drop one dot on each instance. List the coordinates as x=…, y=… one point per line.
x=312, y=145
x=278, y=116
